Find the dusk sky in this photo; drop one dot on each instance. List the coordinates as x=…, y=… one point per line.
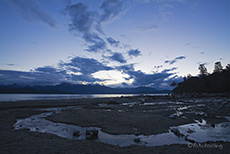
x=111, y=42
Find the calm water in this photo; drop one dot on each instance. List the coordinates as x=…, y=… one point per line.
x=199, y=132
x=20, y=97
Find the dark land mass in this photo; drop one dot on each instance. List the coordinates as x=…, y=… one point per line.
x=124, y=115
x=67, y=88
x=218, y=82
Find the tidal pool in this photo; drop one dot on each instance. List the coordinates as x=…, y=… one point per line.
x=198, y=132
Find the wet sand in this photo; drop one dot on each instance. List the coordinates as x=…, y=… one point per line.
x=126, y=115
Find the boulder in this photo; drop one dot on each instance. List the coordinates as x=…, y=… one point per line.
x=176, y=132
x=137, y=140
x=76, y=133
x=213, y=125
x=91, y=134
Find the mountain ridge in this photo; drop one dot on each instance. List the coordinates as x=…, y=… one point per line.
x=67, y=88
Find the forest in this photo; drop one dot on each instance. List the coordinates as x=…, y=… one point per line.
x=216, y=82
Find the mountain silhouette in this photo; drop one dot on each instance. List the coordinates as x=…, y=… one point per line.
x=67, y=88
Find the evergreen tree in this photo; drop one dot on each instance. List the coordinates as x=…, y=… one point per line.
x=213, y=83
x=218, y=67
x=228, y=67
x=203, y=69
x=173, y=84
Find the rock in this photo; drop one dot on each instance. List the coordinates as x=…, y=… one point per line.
x=189, y=140
x=213, y=125
x=172, y=116
x=112, y=101
x=137, y=140
x=76, y=133
x=142, y=100
x=190, y=131
x=178, y=113
x=224, y=103
x=184, y=117
x=176, y=132
x=91, y=134
x=136, y=132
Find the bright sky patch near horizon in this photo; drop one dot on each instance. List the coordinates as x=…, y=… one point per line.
x=111, y=42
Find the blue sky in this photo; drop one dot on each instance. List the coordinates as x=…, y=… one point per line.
x=111, y=42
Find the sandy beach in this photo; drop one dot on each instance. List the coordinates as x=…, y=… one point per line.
x=140, y=116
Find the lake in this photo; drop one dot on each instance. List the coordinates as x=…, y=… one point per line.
x=20, y=97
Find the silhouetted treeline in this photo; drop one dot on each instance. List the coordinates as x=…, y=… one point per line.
x=217, y=82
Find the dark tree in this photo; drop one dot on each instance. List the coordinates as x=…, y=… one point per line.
x=203, y=69
x=185, y=78
x=217, y=82
x=189, y=76
x=173, y=84
x=228, y=67
x=218, y=67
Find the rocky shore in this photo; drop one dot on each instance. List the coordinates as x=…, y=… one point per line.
x=139, y=116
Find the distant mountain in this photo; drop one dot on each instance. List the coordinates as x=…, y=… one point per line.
x=67, y=88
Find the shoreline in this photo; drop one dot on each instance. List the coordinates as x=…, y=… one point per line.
x=31, y=97
x=124, y=115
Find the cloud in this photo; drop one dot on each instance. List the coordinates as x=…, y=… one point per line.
x=86, y=66
x=82, y=19
x=46, y=69
x=156, y=80
x=85, y=22
x=113, y=42
x=168, y=70
x=165, y=9
x=187, y=44
x=31, y=78
x=202, y=63
x=83, y=78
x=202, y=53
x=88, y=23
x=78, y=70
x=111, y=9
x=158, y=66
x=81, y=70
x=43, y=78
x=134, y=53
x=8, y=64
x=148, y=28
x=180, y=57
x=117, y=57
x=175, y=60
x=98, y=43
x=126, y=68
x=31, y=11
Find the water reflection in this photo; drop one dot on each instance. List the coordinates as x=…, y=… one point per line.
x=198, y=132
x=20, y=97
